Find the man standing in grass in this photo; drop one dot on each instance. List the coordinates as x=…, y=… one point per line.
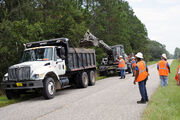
x=141, y=76
x=177, y=77
x=164, y=69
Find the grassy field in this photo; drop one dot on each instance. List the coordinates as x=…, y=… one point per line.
x=165, y=103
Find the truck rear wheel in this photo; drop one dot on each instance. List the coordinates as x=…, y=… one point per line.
x=49, y=89
x=92, y=78
x=84, y=80
x=10, y=94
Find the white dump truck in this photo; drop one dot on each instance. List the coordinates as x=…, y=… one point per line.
x=50, y=65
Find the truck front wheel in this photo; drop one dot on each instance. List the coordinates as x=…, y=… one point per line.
x=92, y=78
x=48, y=88
x=10, y=94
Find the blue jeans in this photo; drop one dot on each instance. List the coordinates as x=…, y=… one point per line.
x=143, y=91
x=164, y=81
x=122, y=73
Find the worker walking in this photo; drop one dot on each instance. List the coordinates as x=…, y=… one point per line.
x=177, y=77
x=133, y=65
x=141, y=76
x=122, y=67
x=163, y=68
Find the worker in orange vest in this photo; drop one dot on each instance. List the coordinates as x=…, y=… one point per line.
x=141, y=76
x=133, y=65
x=122, y=67
x=177, y=77
x=164, y=69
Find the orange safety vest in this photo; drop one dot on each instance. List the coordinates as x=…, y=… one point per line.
x=142, y=71
x=133, y=64
x=122, y=63
x=163, y=69
x=176, y=77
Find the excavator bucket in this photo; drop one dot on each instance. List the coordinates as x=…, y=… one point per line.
x=89, y=40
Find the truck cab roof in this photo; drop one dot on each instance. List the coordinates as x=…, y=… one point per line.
x=51, y=42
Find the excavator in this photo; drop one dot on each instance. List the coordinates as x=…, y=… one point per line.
x=109, y=64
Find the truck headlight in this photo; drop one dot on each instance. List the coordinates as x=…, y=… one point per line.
x=36, y=76
x=5, y=78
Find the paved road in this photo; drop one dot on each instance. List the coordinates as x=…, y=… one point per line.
x=110, y=99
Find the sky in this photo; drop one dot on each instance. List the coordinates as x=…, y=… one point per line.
x=162, y=20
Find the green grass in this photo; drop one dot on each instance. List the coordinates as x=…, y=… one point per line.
x=4, y=101
x=100, y=77
x=151, y=62
x=165, y=102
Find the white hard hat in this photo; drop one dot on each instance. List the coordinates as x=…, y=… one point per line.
x=139, y=55
x=164, y=56
x=133, y=57
x=120, y=56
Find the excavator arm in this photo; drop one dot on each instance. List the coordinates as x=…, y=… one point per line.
x=90, y=40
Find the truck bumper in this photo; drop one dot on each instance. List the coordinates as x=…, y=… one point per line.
x=25, y=85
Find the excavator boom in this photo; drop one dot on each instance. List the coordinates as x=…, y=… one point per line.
x=90, y=40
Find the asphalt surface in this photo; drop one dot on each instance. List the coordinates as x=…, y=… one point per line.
x=110, y=99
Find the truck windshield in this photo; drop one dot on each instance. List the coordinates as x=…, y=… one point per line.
x=41, y=54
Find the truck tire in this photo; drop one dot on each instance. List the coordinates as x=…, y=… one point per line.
x=92, y=78
x=10, y=94
x=84, y=80
x=49, y=89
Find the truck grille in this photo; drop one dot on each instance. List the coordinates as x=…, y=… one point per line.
x=20, y=73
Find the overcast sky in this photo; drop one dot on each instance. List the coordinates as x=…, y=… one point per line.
x=162, y=20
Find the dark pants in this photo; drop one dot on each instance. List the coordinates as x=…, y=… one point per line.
x=122, y=73
x=143, y=91
x=133, y=70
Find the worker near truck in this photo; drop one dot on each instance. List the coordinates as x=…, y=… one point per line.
x=133, y=65
x=141, y=76
x=164, y=69
x=122, y=67
x=177, y=77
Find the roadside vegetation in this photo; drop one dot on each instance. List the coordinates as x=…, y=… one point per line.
x=165, y=102
x=4, y=100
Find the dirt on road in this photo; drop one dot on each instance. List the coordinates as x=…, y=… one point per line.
x=110, y=99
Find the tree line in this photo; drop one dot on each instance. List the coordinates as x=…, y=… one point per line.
x=113, y=21
x=177, y=53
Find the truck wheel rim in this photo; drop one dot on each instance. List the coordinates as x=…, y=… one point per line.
x=51, y=88
x=92, y=77
x=85, y=80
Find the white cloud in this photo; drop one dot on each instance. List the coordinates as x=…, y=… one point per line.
x=169, y=1
x=162, y=24
x=135, y=1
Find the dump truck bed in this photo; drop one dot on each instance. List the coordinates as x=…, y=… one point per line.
x=81, y=59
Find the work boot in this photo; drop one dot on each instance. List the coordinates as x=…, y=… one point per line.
x=141, y=102
x=147, y=100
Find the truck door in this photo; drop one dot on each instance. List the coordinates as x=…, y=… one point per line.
x=59, y=62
